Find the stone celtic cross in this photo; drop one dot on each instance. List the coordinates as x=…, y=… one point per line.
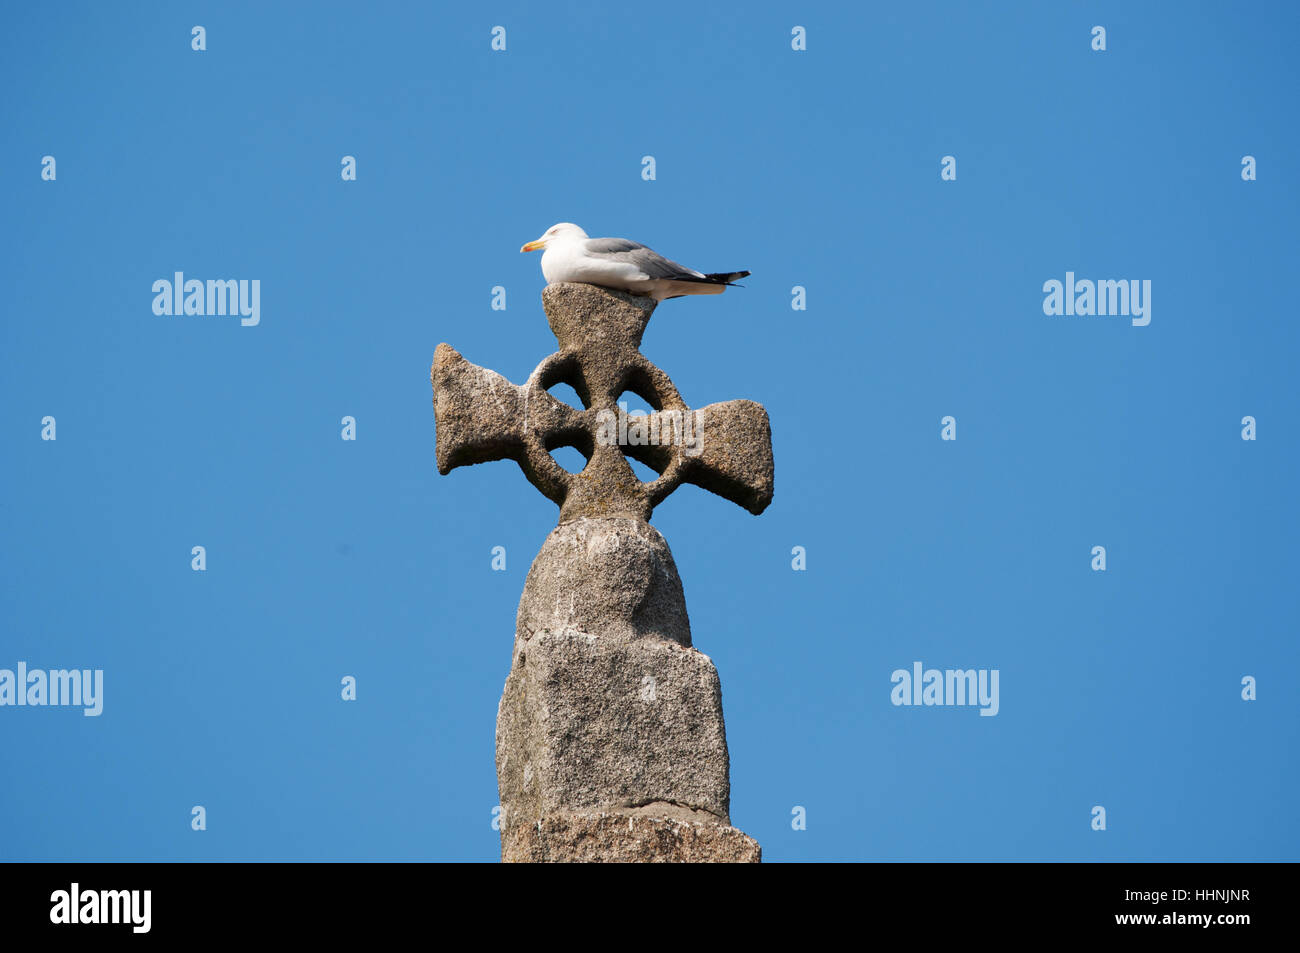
x=610, y=738
x=481, y=416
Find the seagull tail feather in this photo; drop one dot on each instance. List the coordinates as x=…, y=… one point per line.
x=726, y=277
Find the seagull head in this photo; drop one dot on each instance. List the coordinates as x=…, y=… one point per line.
x=561, y=232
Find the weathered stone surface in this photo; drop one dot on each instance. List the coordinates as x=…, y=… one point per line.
x=481, y=416
x=627, y=838
x=588, y=725
x=611, y=577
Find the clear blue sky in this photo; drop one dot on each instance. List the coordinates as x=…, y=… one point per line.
x=819, y=168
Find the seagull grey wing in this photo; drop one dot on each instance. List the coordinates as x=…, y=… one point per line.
x=650, y=263
x=603, y=246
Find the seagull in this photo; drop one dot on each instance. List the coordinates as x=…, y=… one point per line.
x=618, y=263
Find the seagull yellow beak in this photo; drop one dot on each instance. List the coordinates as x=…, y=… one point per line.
x=533, y=246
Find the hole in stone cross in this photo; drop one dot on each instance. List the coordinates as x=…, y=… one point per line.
x=648, y=435
x=566, y=394
x=633, y=403
x=639, y=390
x=643, y=473
x=571, y=449
x=565, y=381
x=634, y=427
x=648, y=451
x=569, y=458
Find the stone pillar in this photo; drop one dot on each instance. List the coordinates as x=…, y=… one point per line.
x=610, y=739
